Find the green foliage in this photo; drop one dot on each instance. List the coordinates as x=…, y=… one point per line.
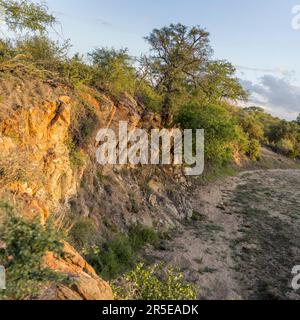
x=140, y=235
x=253, y=150
x=219, y=129
x=180, y=65
x=218, y=81
x=26, y=244
x=50, y=55
x=177, y=55
x=121, y=253
x=77, y=156
x=150, y=98
x=114, y=71
x=21, y=15
x=154, y=283
x=113, y=258
x=196, y=216
x=285, y=137
x=252, y=127
x=76, y=71
x=43, y=51
x=82, y=233
x=286, y=146
x=298, y=119
x=7, y=50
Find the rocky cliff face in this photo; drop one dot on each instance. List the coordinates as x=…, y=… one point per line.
x=37, y=175
x=120, y=196
x=41, y=122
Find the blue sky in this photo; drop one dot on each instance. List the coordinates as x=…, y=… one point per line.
x=256, y=36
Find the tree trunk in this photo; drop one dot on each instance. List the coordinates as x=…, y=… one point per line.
x=167, y=116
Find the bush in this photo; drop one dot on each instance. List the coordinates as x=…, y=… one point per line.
x=121, y=253
x=253, y=151
x=76, y=71
x=114, y=71
x=252, y=127
x=154, y=283
x=83, y=232
x=7, y=50
x=149, y=97
x=77, y=156
x=26, y=244
x=113, y=258
x=43, y=51
x=219, y=129
x=140, y=235
x=285, y=146
x=84, y=121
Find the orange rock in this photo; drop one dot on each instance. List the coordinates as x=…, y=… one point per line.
x=87, y=285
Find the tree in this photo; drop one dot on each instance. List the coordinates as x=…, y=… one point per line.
x=218, y=82
x=22, y=15
x=43, y=50
x=178, y=53
x=114, y=70
x=298, y=119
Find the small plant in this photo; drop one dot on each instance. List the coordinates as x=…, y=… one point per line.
x=121, y=253
x=133, y=203
x=101, y=177
x=77, y=157
x=154, y=283
x=83, y=232
x=140, y=235
x=207, y=270
x=196, y=216
x=25, y=245
x=113, y=257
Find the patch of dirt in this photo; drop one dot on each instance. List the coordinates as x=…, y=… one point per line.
x=243, y=239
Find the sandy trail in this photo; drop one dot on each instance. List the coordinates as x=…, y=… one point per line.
x=244, y=238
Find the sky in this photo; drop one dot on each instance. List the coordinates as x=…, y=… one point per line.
x=256, y=36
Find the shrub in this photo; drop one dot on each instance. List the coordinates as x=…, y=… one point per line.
x=43, y=51
x=253, y=151
x=76, y=71
x=77, y=156
x=114, y=71
x=84, y=121
x=219, y=129
x=7, y=50
x=113, y=258
x=252, y=127
x=242, y=140
x=26, y=244
x=149, y=97
x=285, y=146
x=154, y=283
x=140, y=235
x=121, y=253
x=83, y=232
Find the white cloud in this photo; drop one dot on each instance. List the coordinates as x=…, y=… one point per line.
x=276, y=94
x=279, y=71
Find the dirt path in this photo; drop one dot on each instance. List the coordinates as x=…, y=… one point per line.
x=243, y=239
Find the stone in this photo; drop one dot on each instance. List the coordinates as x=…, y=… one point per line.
x=153, y=200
